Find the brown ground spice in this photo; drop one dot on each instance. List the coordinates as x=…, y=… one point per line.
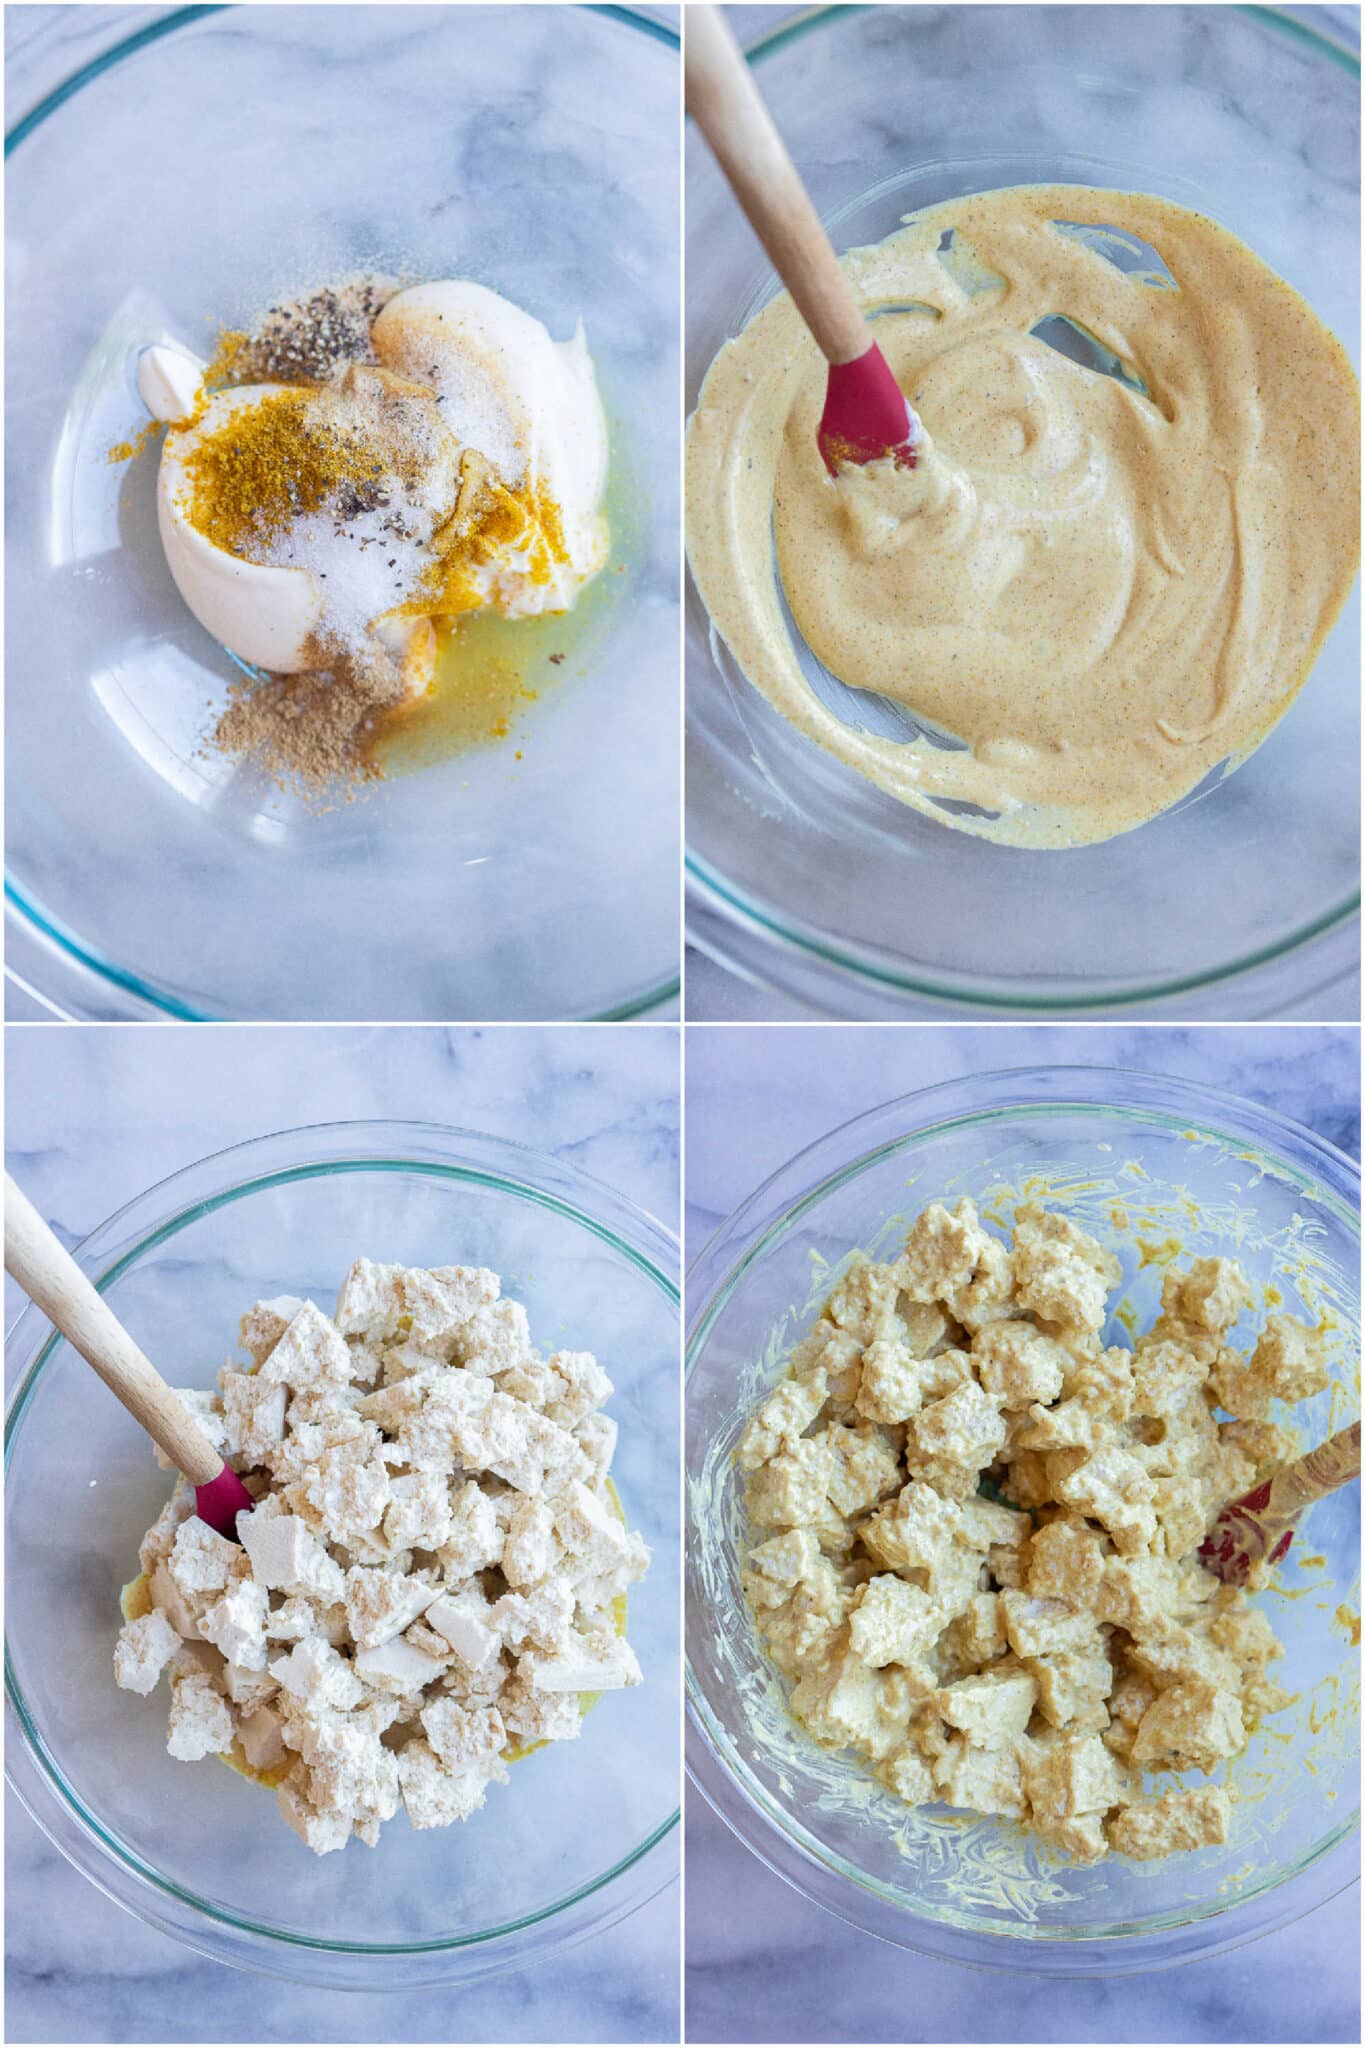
x=311, y=733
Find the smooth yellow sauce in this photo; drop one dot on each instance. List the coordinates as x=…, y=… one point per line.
x=1105, y=586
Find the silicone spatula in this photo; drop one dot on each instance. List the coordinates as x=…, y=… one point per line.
x=50, y=1277
x=1259, y=1527
x=866, y=416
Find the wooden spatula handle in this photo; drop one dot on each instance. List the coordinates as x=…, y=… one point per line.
x=725, y=103
x=50, y=1277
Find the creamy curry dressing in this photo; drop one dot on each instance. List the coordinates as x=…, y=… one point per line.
x=1104, y=585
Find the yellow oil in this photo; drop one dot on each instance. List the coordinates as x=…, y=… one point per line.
x=136, y=1598
x=491, y=671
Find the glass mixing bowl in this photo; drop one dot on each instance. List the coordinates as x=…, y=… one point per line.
x=1267, y=1192
x=803, y=874
x=202, y=168
x=582, y=1833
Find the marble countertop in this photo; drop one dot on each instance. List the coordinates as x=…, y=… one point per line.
x=776, y=1968
x=94, y=1115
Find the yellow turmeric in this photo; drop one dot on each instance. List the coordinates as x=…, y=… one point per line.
x=269, y=463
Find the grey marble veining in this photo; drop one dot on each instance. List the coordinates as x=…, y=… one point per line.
x=762, y=1963
x=94, y=1116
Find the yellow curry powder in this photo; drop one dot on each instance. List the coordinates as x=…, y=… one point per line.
x=284, y=457
x=224, y=364
x=488, y=521
x=270, y=463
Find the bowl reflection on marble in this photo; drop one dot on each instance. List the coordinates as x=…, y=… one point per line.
x=804, y=874
x=583, y=1832
x=1265, y=1191
x=293, y=147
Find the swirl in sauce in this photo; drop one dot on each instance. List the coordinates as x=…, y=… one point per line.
x=1103, y=585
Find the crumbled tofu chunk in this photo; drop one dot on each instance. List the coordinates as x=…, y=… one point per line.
x=581, y=1387
x=253, y=1410
x=465, y=1621
x=381, y=1604
x=200, y=1719
x=312, y=1352
x=892, y=1622
x=180, y=1611
x=263, y=1325
x=235, y=1624
x=893, y=1383
x=531, y=1551
x=201, y=1560
x=782, y=1421
x=595, y=1663
x=1111, y=1487
x=261, y=1734
x=476, y=1536
x=1288, y=1361
x=463, y=1735
x=1191, y=1726
x=397, y=1666
x=942, y=1251
x=157, y=1544
x=207, y=1412
x=418, y=1511
x=991, y=1708
x=1017, y=1365
x=964, y=1429
x=368, y=1305
x=982, y=1780
x=322, y=1831
x=540, y=1619
x=1180, y=1820
x=285, y=1556
x=1065, y=1562
x=1070, y=1775
x=317, y=1674
x=1209, y=1295
x=534, y=1716
x=145, y=1647
x=434, y=1796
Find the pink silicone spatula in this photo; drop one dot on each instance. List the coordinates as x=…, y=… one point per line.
x=866, y=415
x=50, y=1277
x=1259, y=1527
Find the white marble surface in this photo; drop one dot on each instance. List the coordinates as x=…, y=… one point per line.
x=93, y=1116
x=762, y=1963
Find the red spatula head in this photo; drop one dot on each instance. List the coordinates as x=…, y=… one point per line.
x=221, y=1501
x=866, y=416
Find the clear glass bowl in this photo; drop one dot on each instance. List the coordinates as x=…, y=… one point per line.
x=1267, y=1191
x=802, y=873
x=582, y=1833
x=203, y=167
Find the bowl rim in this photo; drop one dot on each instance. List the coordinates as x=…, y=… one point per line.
x=25, y=909
x=748, y=935
x=149, y=1219
x=829, y=1162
